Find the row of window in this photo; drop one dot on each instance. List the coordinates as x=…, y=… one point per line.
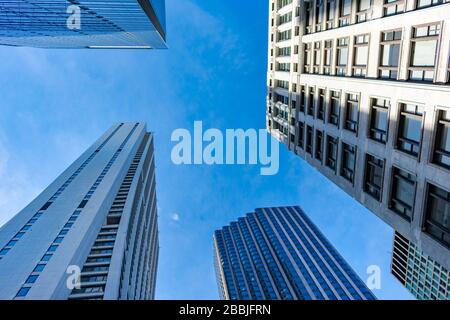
x=321, y=14
x=410, y=120
x=424, y=51
x=403, y=184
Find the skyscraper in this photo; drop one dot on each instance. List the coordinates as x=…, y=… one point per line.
x=92, y=234
x=83, y=23
x=360, y=90
x=420, y=274
x=279, y=254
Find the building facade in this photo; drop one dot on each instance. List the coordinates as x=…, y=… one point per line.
x=425, y=278
x=360, y=90
x=83, y=24
x=92, y=234
x=279, y=254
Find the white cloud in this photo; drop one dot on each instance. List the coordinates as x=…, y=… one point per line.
x=175, y=217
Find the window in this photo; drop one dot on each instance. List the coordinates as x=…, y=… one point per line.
x=23, y=292
x=302, y=99
x=284, y=52
x=284, y=67
x=83, y=204
x=307, y=59
x=319, y=14
x=345, y=10
x=301, y=134
x=424, y=46
x=309, y=16
x=442, y=142
x=319, y=146
x=403, y=193
x=285, y=18
x=373, y=179
x=327, y=56
x=329, y=13
x=437, y=222
x=310, y=108
x=316, y=57
x=342, y=56
x=39, y=268
x=379, y=120
x=335, y=102
x=284, y=35
x=321, y=104
x=392, y=7
x=390, y=54
x=410, y=129
x=332, y=152
x=348, y=162
x=31, y=279
x=361, y=54
x=352, y=113
x=309, y=139
x=364, y=7
x=428, y=3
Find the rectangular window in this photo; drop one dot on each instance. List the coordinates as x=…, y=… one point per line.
x=319, y=15
x=361, y=55
x=309, y=139
x=284, y=67
x=352, y=112
x=335, y=103
x=316, y=57
x=329, y=13
x=310, y=108
x=437, y=222
x=403, y=193
x=284, y=35
x=309, y=16
x=390, y=54
x=392, y=7
x=364, y=10
x=307, y=58
x=319, y=146
x=348, y=162
x=442, y=140
x=327, y=56
x=302, y=99
x=301, y=134
x=424, y=46
x=410, y=129
x=345, y=11
x=373, y=179
x=332, y=153
x=379, y=119
x=342, y=56
x=427, y=3
x=321, y=104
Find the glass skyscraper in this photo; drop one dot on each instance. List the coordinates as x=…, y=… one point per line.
x=425, y=278
x=279, y=254
x=92, y=234
x=83, y=23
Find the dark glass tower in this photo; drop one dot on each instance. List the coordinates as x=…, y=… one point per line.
x=83, y=23
x=279, y=254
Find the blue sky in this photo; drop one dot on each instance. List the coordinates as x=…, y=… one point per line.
x=55, y=103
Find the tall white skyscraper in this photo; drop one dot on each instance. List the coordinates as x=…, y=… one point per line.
x=361, y=91
x=92, y=234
